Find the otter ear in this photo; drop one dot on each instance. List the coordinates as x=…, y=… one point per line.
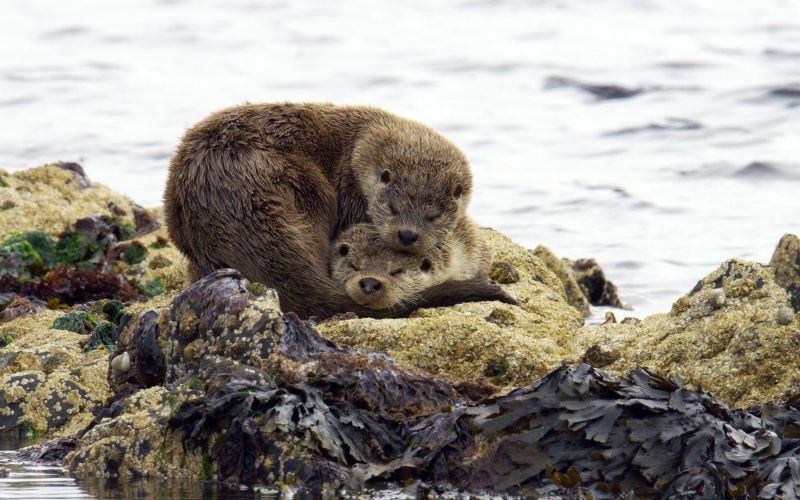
x=425, y=265
x=458, y=191
x=344, y=250
x=386, y=176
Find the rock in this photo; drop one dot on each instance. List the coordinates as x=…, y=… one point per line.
x=77, y=171
x=322, y=418
x=460, y=341
x=575, y=295
x=735, y=348
x=48, y=384
x=85, y=263
x=592, y=280
x=785, y=263
x=45, y=199
x=18, y=308
x=214, y=382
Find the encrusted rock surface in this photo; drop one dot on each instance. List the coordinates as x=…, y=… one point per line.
x=575, y=295
x=214, y=381
x=287, y=408
x=67, y=242
x=509, y=344
x=785, y=263
x=736, y=348
x=48, y=382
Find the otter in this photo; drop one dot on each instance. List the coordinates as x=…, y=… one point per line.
x=379, y=277
x=264, y=188
x=375, y=275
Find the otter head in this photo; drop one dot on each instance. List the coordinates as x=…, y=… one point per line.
x=373, y=274
x=416, y=183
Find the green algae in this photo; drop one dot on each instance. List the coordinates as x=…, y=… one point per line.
x=114, y=310
x=19, y=258
x=41, y=242
x=257, y=288
x=134, y=253
x=77, y=247
x=102, y=334
x=153, y=287
x=160, y=243
x=75, y=321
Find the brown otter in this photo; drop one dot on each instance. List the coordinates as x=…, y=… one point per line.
x=263, y=188
x=375, y=275
x=380, y=277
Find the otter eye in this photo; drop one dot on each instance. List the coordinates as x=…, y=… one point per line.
x=386, y=177
x=397, y=272
x=458, y=191
x=344, y=250
x=393, y=210
x=432, y=218
x=425, y=265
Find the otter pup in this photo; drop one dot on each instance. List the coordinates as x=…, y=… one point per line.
x=375, y=275
x=264, y=188
x=380, y=277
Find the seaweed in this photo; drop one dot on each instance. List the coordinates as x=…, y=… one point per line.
x=114, y=310
x=102, y=334
x=134, y=253
x=75, y=321
x=153, y=287
x=326, y=416
x=19, y=259
x=73, y=285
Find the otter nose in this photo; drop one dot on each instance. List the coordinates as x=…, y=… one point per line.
x=407, y=238
x=370, y=286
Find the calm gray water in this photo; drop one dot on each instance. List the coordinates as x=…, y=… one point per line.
x=691, y=158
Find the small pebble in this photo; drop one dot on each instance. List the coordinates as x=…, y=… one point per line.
x=717, y=298
x=784, y=316
x=121, y=364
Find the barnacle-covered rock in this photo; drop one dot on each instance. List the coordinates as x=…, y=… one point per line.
x=510, y=344
x=52, y=197
x=313, y=416
x=744, y=348
x=48, y=383
x=590, y=277
x=785, y=262
x=574, y=293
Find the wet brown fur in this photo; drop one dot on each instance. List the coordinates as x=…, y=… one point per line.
x=359, y=253
x=263, y=188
